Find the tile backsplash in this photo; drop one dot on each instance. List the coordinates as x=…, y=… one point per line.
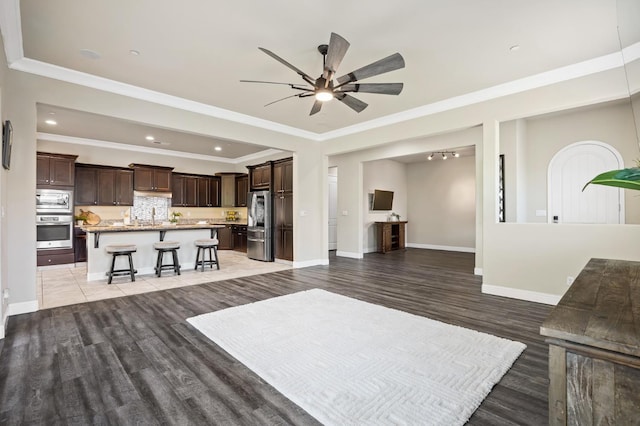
x=143, y=207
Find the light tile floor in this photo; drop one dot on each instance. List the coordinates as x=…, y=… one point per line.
x=67, y=284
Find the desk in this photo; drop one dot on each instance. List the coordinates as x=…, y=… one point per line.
x=594, y=347
x=390, y=235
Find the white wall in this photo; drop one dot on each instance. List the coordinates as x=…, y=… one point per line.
x=611, y=123
x=4, y=281
x=387, y=175
x=442, y=204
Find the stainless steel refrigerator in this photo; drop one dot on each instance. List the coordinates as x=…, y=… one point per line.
x=259, y=226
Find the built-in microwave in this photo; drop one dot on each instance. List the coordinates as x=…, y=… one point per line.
x=54, y=201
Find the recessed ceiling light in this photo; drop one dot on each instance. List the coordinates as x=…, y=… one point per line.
x=150, y=138
x=217, y=148
x=90, y=54
x=51, y=122
x=134, y=52
x=514, y=48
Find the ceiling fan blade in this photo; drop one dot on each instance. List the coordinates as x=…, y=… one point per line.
x=390, y=63
x=282, y=99
x=355, y=104
x=292, y=85
x=378, y=88
x=316, y=107
x=338, y=47
x=301, y=73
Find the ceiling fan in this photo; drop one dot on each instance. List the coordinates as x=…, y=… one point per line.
x=325, y=87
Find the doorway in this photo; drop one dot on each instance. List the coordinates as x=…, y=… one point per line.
x=569, y=170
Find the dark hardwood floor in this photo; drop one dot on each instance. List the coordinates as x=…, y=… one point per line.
x=135, y=360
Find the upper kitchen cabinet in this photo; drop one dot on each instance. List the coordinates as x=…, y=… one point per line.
x=195, y=191
x=184, y=190
x=86, y=188
x=242, y=190
x=283, y=176
x=115, y=187
x=209, y=191
x=55, y=169
x=229, y=189
x=151, y=178
x=260, y=176
x=103, y=186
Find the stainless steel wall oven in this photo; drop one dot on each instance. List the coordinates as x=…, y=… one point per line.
x=54, y=231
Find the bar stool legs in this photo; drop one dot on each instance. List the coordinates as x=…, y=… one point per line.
x=163, y=247
x=212, y=246
x=121, y=250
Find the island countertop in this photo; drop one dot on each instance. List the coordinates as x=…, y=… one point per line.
x=139, y=228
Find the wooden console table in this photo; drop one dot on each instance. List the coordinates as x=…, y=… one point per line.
x=594, y=347
x=390, y=235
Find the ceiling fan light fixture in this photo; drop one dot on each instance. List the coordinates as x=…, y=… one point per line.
x=324, y=95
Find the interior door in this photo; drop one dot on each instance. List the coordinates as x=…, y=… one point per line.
x=569, y=170
x=333, y=212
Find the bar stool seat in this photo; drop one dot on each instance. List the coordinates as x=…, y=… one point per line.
x=121, y=250
x=163, y=247
x=204, y=245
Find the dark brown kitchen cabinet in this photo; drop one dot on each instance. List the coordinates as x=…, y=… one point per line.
x=115, y=187
x=86, y=193
x=55, y=169
x=260, y=176
x=55, y=257
x=283, y=208
x=225, y=238
x=103, y=186
x=283, y=226
x=209, y=191
x=283, y=176
x=239, y=237
x=184, y=190
x=79, y=244
x=151, y=178
x=242, y=189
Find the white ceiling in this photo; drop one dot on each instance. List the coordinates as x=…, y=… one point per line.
x=198, y=50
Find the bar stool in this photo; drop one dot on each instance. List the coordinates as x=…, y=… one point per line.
x=163, y=247
x=203, y=245
x=121, y=250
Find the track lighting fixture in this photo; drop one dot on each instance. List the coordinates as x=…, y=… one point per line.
x=444, y=154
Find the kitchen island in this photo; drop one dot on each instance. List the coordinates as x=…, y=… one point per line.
x=143, y=236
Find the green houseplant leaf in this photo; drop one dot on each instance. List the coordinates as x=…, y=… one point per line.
x=624, y=178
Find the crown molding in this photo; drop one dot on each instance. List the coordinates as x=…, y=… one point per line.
x=152, y=150
x=558, y=75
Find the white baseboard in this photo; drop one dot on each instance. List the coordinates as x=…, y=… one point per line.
x=514, y=293
x=23, y=307
x=436, y=247
x=3, y=326
x=349, y=254
x=306, y=263
x=477, y=271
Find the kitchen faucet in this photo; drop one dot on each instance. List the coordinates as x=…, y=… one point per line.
x=153, y=216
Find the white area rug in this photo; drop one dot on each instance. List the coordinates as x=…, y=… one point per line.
x=348, y=362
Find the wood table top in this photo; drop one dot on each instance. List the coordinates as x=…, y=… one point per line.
x=601, y=308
